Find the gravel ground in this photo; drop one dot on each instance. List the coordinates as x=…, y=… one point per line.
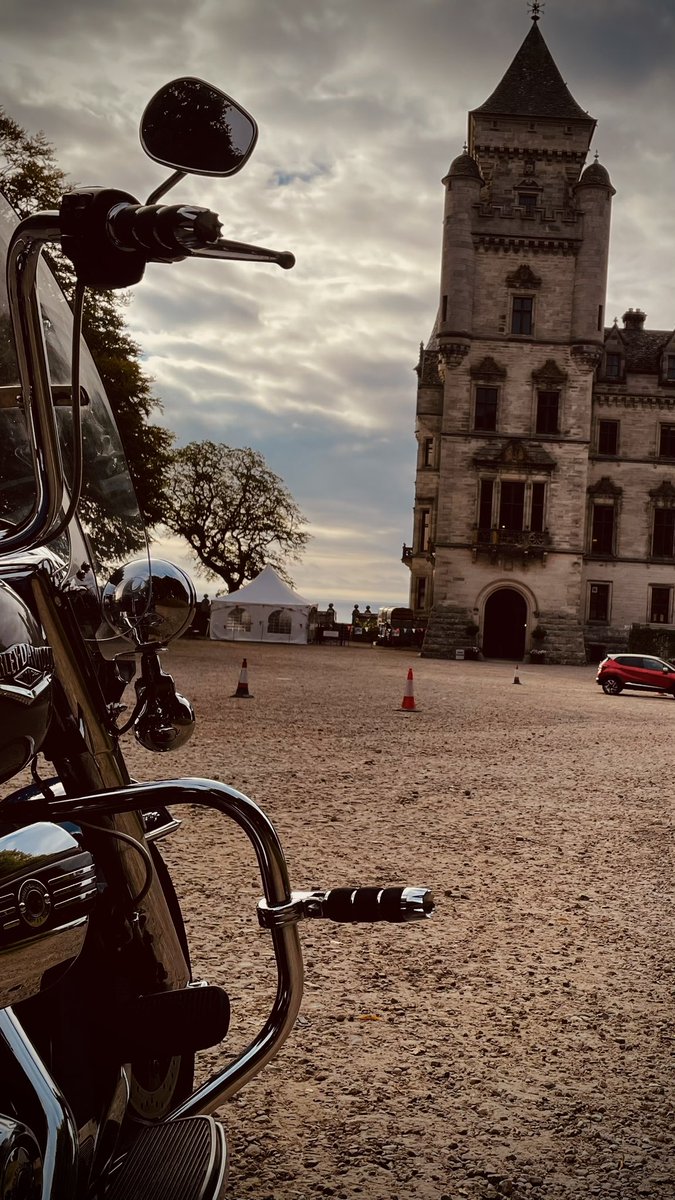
x=521, y=1042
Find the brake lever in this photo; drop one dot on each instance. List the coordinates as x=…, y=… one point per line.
x=243, y=252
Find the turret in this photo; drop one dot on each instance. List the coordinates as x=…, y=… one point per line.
x=593, y=195
x=462, y=190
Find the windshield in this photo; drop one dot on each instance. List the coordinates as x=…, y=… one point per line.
x=109, y=529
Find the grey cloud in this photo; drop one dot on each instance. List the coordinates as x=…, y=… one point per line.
x=361, y=109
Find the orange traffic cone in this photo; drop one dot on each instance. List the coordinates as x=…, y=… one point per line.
x=408, y=702
x=515, y=677
x=242, y=692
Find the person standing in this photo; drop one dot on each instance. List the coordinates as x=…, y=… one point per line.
x=203, y=616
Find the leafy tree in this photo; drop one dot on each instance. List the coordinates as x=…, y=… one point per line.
x=233, y=511
x=31, y=180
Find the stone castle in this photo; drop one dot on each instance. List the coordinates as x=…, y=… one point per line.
x=545, y=485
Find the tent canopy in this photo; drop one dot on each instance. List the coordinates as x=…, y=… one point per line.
x=266, y=609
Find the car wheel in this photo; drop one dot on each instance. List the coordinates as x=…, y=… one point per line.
x=611, y=686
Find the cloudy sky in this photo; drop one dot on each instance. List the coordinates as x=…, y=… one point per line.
x=362, y=105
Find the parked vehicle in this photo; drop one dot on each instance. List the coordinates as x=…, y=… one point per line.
x=398, y=627
x=100, y=1017
x=643, y=672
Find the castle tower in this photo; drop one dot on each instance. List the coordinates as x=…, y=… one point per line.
x=505, y=383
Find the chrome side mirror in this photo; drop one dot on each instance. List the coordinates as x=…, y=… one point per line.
x=193, y=127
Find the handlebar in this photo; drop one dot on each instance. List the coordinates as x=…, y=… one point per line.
x=180, y=229
x=110, y=237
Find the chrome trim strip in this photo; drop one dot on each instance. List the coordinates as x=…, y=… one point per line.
x=59, y=1168
x=23, y=257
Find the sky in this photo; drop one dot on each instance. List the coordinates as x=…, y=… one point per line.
x=362, y=105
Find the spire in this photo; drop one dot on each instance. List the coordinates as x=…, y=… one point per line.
x=533, y=85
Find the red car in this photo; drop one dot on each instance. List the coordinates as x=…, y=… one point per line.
x=642, y=672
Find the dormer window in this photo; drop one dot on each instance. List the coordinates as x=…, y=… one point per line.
x=670, y=367
x=613, y=365
x=528, y=202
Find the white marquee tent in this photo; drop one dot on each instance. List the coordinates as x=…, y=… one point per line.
x=265, y=610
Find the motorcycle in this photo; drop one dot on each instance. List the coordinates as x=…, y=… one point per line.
x=100, y=1018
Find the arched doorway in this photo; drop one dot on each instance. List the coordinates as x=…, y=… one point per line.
x=504, y=621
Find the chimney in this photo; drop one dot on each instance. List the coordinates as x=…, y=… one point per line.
x=633, y=319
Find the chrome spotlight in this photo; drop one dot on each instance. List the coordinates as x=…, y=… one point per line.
x=150, y=603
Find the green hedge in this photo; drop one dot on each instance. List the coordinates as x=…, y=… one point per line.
x=644, y=639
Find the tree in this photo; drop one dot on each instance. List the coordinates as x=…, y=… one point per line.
x=233, y=511
x=31, y=180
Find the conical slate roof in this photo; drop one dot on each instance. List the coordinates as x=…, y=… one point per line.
x=533, y=86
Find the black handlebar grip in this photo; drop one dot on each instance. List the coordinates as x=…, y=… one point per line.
x=365, y=904
x=162, y=230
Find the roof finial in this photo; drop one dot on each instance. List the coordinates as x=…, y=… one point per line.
x=536, y=8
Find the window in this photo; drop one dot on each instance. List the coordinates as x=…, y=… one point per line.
x=528, y=202
x=444, y=309
x=485, y=415
x=485, y=504
x=537, y=507
x=511, y=505
x=599, y=318
x=238, y=620
x=424, y=529
x=279, y=621
x=613, y=366
x=598, y=605
x=522, y=315
x=663, y=533
x=659, y=605
x=602, y=529
x=428, y=452
x=421, y=591
x=670, y=366
x=608, y=437
x=547, y=412
x=667, y=442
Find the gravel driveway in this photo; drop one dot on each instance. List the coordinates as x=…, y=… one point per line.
x=520, y=1043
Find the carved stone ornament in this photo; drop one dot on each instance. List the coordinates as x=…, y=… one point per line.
x=524, y=278
x=550, y=373
x=429, y=369
x=516, y=454
x=451, y=355
x=663, y=495
x=605, y=487
x=586, y=358
x=487, y=368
